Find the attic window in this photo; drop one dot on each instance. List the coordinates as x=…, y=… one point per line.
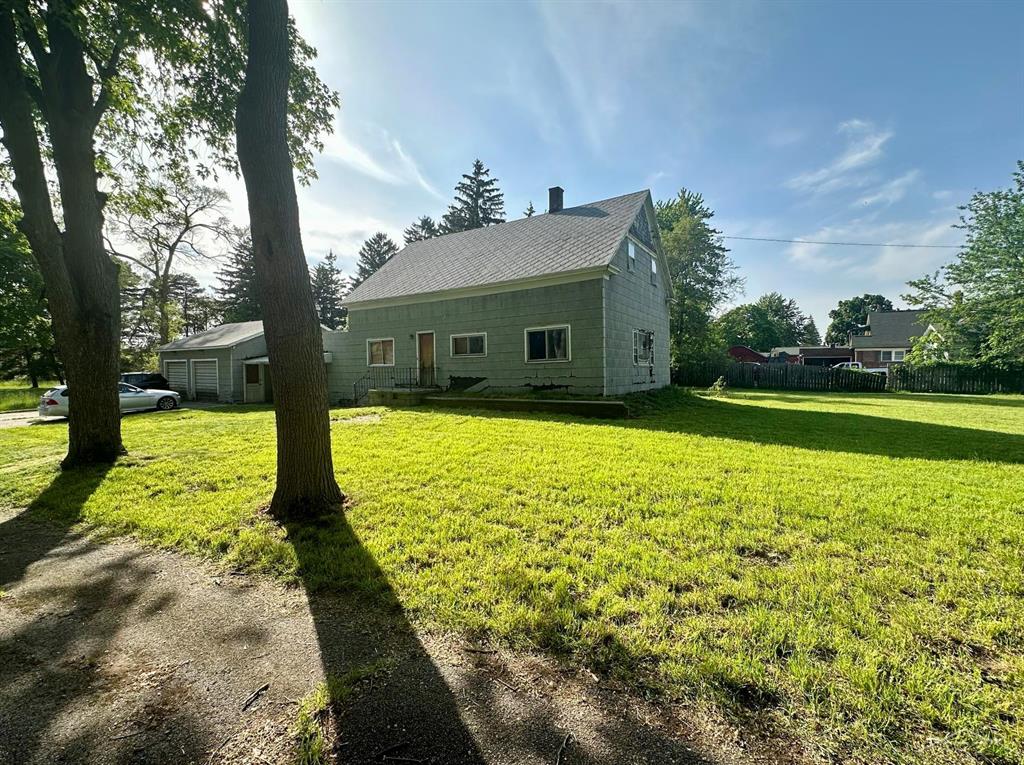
x=631, y=259
x=654, y=270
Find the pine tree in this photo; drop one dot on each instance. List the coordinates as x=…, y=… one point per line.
x=424, y=228
x=375, y=252
x=810, y=334
x=328, y=287
x=478, y=202
x=529, y=211
x=237, y=282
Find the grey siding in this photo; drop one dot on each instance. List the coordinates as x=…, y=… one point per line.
x=504, y=317
x=632, y=302
x=229, y=365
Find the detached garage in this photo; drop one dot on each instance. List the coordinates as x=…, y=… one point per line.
x=209, y=366
x=227, y=363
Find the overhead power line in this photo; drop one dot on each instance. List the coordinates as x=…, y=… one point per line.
x=846, y=244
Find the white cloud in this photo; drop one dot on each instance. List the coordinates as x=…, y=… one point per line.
x=864, y=146
x=890, y=192
x=891, y=265
x=389, y=163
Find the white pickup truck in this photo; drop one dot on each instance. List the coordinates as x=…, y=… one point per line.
x=861, y=368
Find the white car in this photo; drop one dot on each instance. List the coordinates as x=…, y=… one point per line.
x=54, y=403
x=859, y=367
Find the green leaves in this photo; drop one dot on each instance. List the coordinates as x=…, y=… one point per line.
x=977, y=302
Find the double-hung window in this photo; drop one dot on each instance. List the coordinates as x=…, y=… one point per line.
x=643, y=347
x=469, y=345
x=630, y=256
x=547, y=343
x=894, y=355
x=654, y=270
x=380, y=352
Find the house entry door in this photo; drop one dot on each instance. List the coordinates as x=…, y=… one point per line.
x=425, y=357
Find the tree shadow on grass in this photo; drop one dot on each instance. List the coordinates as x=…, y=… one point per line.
x=839, y=432
x=54, y=641
x=834, y=431
x=420, y=703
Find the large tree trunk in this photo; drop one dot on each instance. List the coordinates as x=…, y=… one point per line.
x=306, y=485
x=80, y=278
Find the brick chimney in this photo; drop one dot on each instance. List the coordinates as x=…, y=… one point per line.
x=555, y=199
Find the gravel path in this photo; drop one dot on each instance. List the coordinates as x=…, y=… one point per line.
x=113, y=653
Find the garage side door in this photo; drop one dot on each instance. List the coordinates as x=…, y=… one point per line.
x=176, y=373
x=204, y=380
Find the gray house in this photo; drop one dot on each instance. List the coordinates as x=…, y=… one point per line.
x=888, y=337
x=227, y=363
x=575, y=300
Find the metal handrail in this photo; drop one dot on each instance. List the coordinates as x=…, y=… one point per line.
x=389, y=378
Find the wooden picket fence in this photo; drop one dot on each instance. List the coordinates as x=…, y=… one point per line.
x=779, y=377
x=956, y=378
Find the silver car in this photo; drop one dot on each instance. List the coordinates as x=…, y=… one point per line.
x=54, y=403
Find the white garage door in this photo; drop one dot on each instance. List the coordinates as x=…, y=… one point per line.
x=176, y=373
x=204, y=380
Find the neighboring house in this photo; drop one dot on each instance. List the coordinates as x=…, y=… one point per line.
x=744, y=353
x=824, y=355
x=887, y=337
x=789, y=354
x=576, y=300
x=227, y=363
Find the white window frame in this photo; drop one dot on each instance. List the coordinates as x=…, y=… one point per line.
x=892, y=354
x=568, y=344
x=654, y=270
x=451, y=345
x=637, y=346
x=369, y=340
x=630, y=255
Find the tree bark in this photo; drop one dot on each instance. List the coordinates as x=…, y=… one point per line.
x=80, y=278
x=306, y=486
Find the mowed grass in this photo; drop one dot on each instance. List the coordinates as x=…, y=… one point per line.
x=15, y=395
x=850, y=568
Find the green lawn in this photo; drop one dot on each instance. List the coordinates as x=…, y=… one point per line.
x=850, y=566
x=17, y=394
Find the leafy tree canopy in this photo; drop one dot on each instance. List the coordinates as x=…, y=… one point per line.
x=977, y=301
x=26, y=337
x=769, y=322
x=851, y=314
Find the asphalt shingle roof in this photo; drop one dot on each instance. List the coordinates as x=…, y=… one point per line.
x=891, y=329
x=224, y=336
x=573, y=239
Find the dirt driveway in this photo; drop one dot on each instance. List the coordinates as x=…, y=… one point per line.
x=112, y=653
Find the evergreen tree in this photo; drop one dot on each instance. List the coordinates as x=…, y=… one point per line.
x=529, y=211
x=237, y=282
x=810, y=334
x=328, y=287
x=198, y=309
x=375, y=252
x=424, y=228
x=478, y=202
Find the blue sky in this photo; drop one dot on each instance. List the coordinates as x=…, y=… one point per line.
x=850, y=122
